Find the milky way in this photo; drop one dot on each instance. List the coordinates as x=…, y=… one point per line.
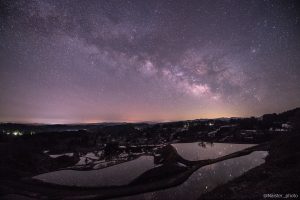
x=93, y=61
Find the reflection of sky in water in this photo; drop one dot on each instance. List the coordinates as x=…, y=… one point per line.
x=115, y=175
x=203, y=180
x=206, y=178
x=204, y=150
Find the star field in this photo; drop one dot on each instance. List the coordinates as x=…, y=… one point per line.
x=93, y=61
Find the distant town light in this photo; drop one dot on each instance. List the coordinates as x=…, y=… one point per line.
x=17, y=133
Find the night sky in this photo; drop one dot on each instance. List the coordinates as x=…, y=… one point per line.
x=94, y=61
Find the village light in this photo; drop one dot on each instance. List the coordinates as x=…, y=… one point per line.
x=17, y=133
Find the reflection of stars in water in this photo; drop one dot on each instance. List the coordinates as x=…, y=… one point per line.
x=208, y=177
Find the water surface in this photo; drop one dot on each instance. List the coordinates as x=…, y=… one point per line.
x=206, y=178
x=205, y=150
x=120, y=174
x=124, y=173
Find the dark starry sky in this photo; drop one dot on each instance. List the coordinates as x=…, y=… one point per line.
x=92, y=61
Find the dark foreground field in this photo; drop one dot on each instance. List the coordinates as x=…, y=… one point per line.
x=30, y=150
x=279, y=175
